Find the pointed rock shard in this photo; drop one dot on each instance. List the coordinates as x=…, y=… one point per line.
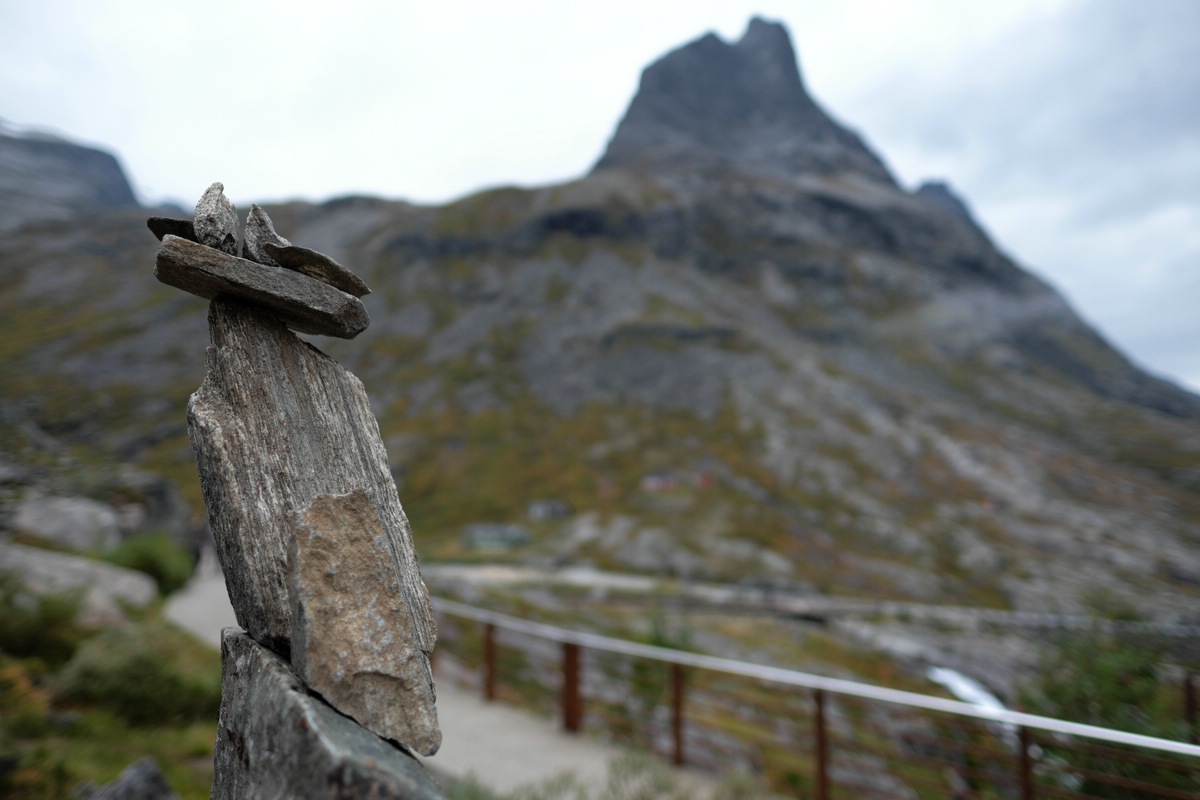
x=304, y=304
x=319, y=266
x=277, y=740
x=164, y=226
x=260, y=231
x=275, y=424
x=352, y=630
x=216, y=220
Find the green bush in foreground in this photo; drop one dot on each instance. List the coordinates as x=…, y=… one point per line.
x=36, y=626
x=146, y=675
x=157, y=555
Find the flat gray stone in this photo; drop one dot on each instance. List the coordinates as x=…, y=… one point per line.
x=163, y=226
x=352, y=637
x=106, y=590
x=216, y=220
x=276, y=424
x=302, y=303
x=319, y=266
x=276, y=740
x=260, y=231
x=76, y=523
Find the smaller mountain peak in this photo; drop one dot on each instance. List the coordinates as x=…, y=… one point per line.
x=740, y=104
x=940, y=194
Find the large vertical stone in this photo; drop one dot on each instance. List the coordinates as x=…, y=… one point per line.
x=351, y=629
x=275, y=424
x=275, y=740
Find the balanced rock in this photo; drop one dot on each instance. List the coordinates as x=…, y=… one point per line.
x=319, y=266
x=304, y=304
x=260, y=231
x=216, y=220
x=275, y=739
x=275, y=425
x=352, y=630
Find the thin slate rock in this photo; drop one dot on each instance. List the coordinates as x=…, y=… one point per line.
x=319, y=266
x=260, y=231
x=165, y=226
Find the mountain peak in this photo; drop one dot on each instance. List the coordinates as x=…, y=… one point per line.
x=739, y=104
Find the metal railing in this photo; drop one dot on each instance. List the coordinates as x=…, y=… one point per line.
x=1015, y=754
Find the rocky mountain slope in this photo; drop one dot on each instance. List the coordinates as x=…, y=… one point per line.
x=737, y=350
x=43, y=177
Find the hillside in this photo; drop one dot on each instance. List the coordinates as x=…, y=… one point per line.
x=737, y=349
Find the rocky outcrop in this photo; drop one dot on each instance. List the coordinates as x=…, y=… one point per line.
x=105, y=591
x=742, y=104
x=46, y=178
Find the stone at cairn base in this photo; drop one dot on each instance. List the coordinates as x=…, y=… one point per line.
x=277, y=740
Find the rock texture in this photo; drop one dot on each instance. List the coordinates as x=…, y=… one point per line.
x=216, y=220
x=304, y=304
x=275, y=425
x=743, y=104
x=319, y=266
x=352, y=627
x=276, y=740
x=260, y=232
x=105, y=590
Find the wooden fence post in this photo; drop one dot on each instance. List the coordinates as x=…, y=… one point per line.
x=489, y=661
x=822, y=745
x=572, y=704
x=1026, y=763
x=677, y=690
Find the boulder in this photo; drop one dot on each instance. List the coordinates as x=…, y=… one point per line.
x=105, y=590
x=275, y=739
x=141, y=780
x=76, y=523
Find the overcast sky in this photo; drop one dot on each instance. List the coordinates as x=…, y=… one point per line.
x=1072, y=127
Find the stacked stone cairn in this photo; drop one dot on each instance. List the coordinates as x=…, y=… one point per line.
x=327, y=689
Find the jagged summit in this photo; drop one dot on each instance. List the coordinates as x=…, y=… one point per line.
x=742, y=104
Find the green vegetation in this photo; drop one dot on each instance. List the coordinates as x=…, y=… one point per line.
x=157, y=555
x=79, y=705
x=1100, y=680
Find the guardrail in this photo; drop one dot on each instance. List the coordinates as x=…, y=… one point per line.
x=1031, y=744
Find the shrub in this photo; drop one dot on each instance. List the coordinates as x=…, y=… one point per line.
x=157, y=555
x=37, y=626
x=146, y=675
